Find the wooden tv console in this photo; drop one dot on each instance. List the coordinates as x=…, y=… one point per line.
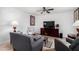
x=50, y=32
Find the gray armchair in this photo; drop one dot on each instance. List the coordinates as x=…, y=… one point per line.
x=22, y=42
x=60, y=46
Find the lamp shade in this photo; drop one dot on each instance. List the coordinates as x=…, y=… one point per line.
x=76, y=24
x=14, y=23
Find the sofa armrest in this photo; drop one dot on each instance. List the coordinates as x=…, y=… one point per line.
x=72, y=36
x=69, y=40
x=36, y=45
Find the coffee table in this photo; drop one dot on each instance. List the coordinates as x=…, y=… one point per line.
x=48, y=44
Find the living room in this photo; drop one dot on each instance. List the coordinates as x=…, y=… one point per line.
x=30, y=21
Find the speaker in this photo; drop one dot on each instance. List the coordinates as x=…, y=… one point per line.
x=61, y=35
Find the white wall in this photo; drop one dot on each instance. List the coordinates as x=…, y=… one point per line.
x=7, y=15
x=64, y=19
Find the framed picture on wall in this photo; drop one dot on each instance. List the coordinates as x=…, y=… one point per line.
x=32, y=20
x=76, y=14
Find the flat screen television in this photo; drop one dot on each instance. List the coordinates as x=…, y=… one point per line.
x=48, y=24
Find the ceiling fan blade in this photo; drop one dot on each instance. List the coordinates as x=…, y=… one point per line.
x=50, y=9
x=47, y=11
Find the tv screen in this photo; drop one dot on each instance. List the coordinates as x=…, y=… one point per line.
x=48, y=24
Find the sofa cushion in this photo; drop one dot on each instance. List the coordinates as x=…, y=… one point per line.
x=37, y=38
x=69, y=40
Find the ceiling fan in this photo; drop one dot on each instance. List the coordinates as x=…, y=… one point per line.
x=47, y=10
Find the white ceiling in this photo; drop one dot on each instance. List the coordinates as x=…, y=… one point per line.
x=35, y=10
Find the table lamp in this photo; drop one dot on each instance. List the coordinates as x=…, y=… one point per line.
x=76, y=25
x=14, y=25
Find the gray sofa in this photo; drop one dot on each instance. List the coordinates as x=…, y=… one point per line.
x=60, y=46
x=21, y=42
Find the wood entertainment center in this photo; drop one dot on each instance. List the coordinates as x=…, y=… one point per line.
x=50, y=30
